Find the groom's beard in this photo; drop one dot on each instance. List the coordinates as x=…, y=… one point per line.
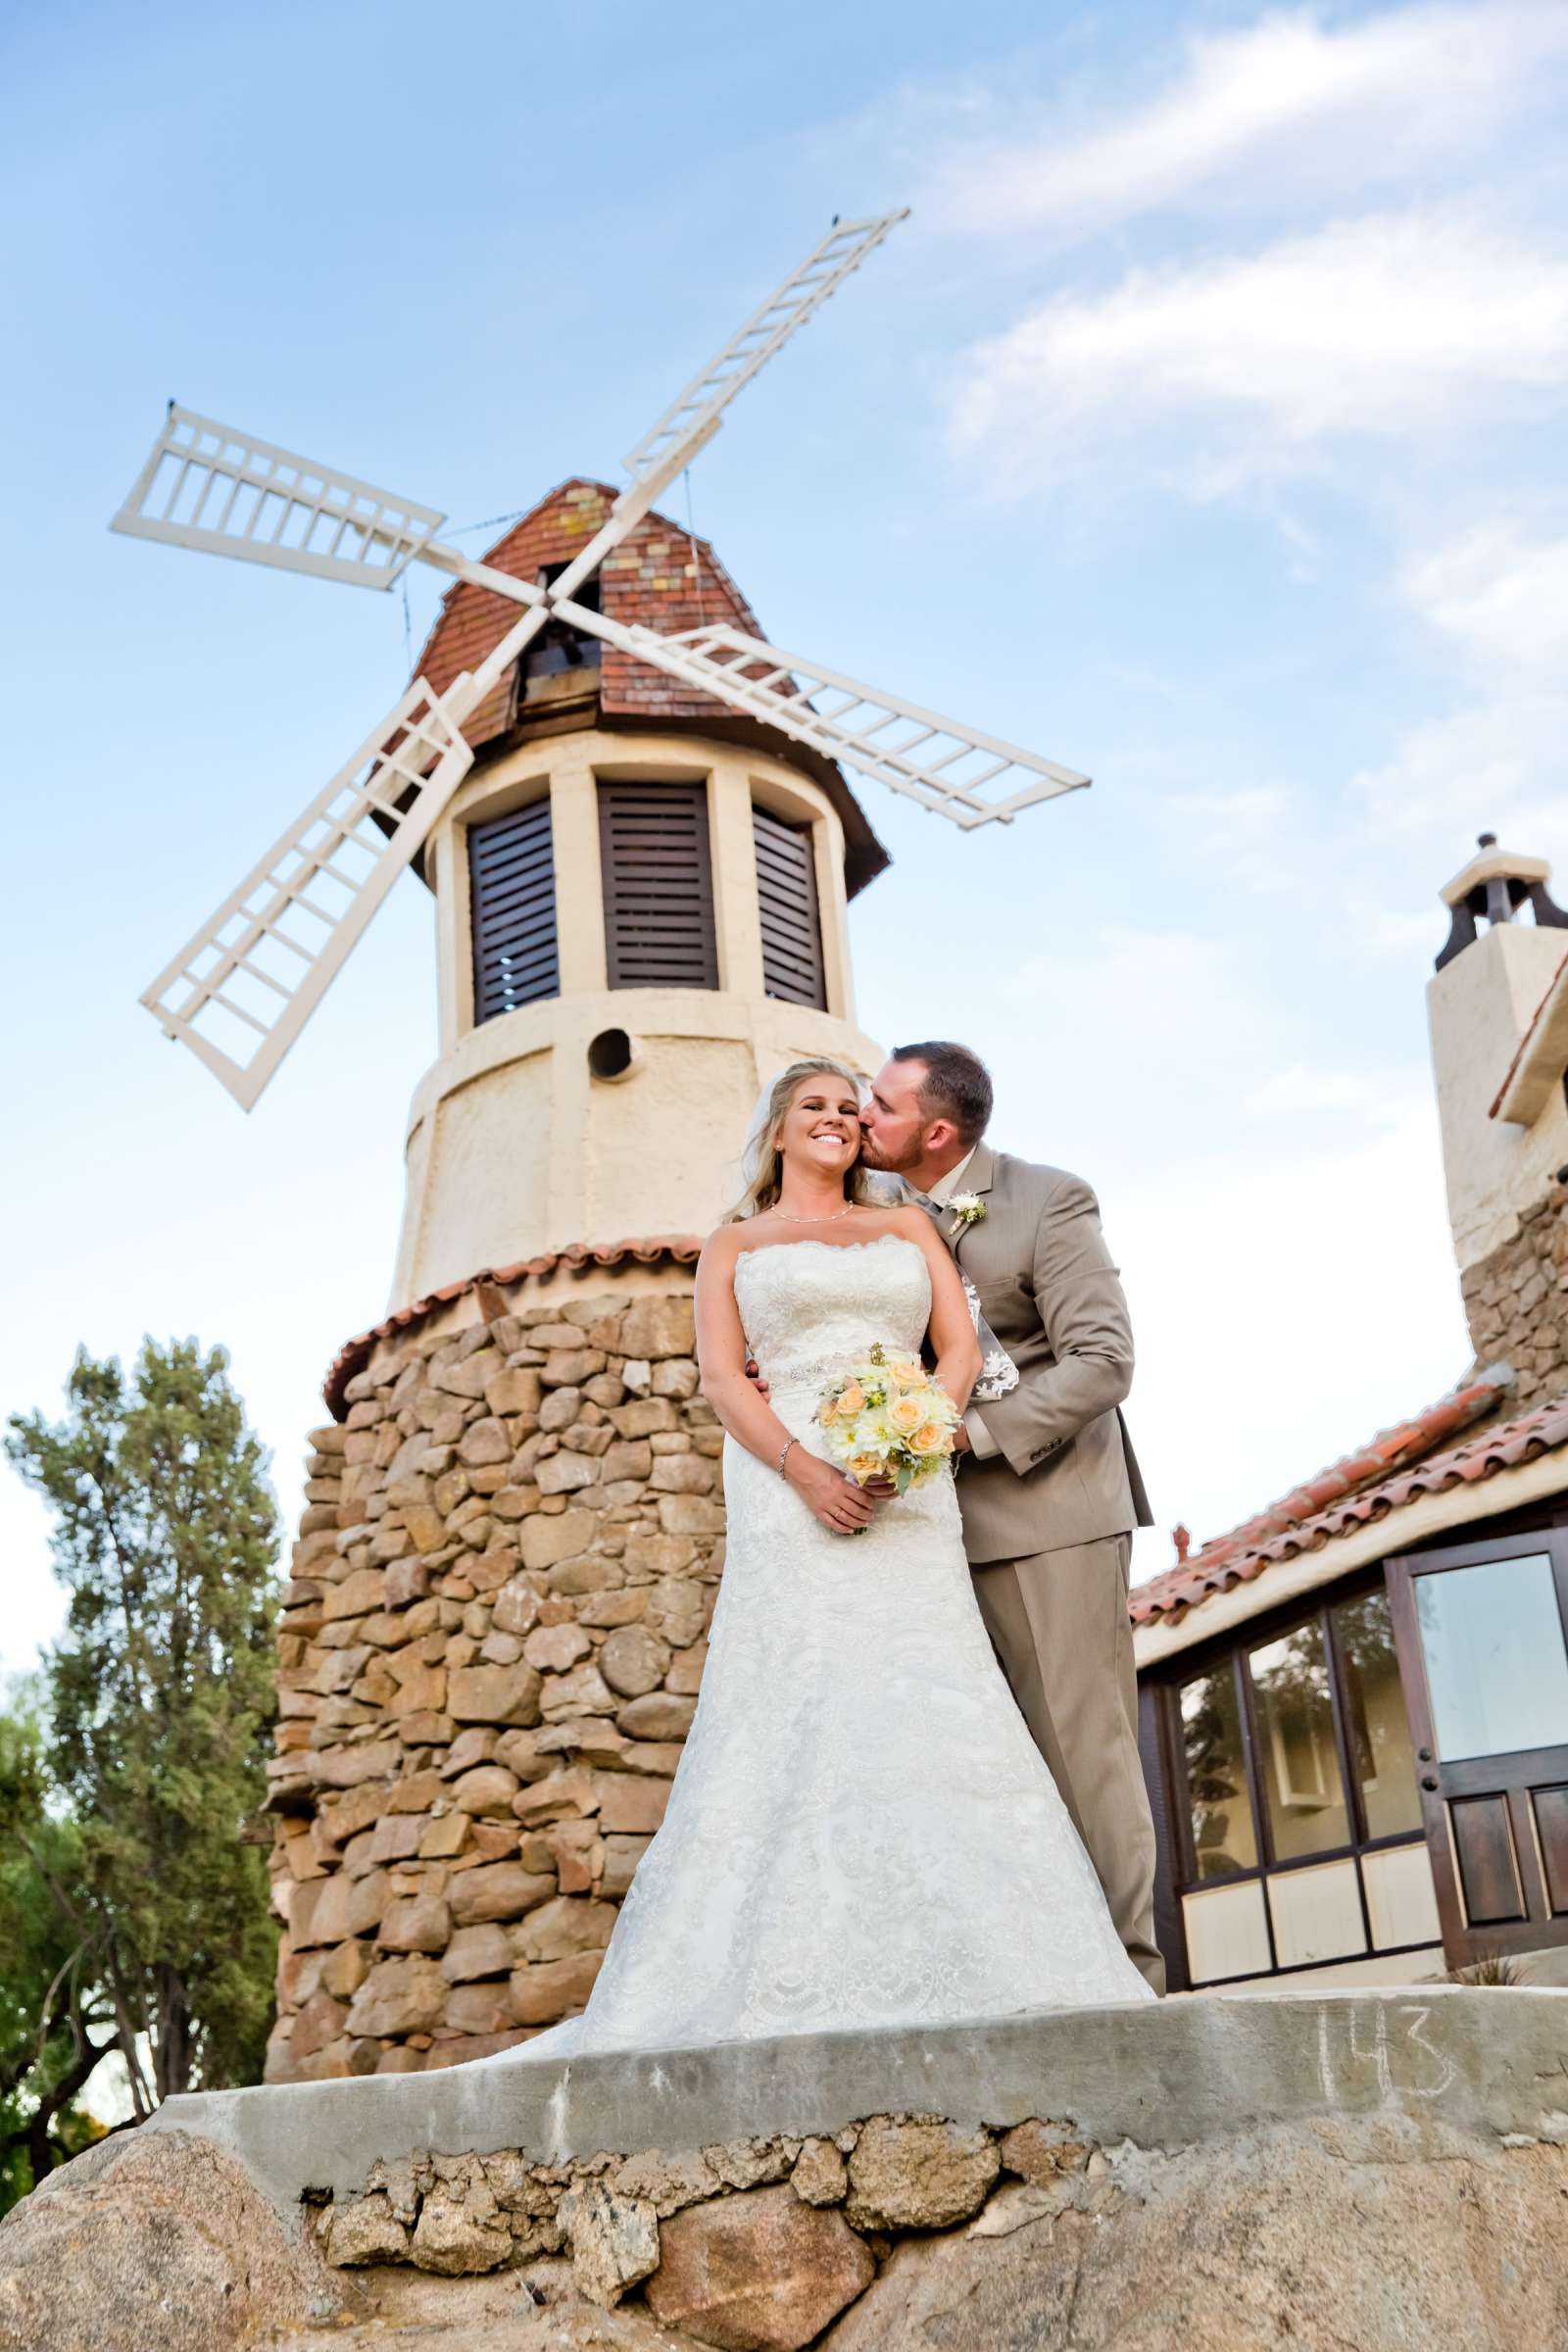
x=872, y=1158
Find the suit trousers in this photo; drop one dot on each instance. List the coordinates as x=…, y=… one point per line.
x=1060, y=1627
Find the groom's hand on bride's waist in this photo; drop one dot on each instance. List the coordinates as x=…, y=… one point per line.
x=754, y=1374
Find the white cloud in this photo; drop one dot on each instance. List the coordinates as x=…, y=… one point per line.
x=1495, y=756
x=1287, y=106
x=1215, y=376
x=1503, y=598
x=1496, y=761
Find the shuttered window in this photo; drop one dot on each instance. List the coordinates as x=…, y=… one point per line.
x=786, y=890
x=658, y=886
x=512, y=882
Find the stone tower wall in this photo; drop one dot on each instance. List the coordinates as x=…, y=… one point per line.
x=489, y=1657
x=1516, y=1301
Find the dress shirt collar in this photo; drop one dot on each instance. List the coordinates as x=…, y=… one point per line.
x=945, y=1187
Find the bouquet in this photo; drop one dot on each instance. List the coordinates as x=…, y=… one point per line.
x=888, y=1418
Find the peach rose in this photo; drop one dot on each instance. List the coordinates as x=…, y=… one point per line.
x=852, y=1401
x=827, y=1411
x=932, y=1439
x=864, y=1466
x=910, y=1374
x=904, y=1414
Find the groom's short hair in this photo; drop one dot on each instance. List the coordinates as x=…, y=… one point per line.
x=957, y=1085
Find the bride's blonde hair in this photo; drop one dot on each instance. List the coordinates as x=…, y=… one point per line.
x=762, y=1164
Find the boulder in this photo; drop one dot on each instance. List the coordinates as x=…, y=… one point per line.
x=760, y=2271
x=1386, y=2232
x=153, y=2238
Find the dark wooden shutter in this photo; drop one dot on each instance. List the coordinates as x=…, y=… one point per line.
x=786, y=890
x=512, y=883
x=658, y=886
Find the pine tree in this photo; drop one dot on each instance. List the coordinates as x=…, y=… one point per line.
x=160, y=1696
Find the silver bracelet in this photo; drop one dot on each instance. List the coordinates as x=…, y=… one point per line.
x=785, y=1454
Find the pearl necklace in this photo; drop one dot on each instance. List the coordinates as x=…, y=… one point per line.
x=784, y=1216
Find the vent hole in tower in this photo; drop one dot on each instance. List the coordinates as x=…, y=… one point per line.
x=612, y=1054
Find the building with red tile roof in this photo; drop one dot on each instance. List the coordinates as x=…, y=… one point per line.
x=1355, y=1705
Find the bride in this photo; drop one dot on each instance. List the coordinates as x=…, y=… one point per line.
x=861, y=1830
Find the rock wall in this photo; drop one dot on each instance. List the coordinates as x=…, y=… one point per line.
x=1516, y=1302
x=1387, y=2233
x=489, y=1656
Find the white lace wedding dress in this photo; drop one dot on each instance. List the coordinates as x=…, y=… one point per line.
x=861, y=1831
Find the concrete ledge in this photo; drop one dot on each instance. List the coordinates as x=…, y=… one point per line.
x=1165, y=2075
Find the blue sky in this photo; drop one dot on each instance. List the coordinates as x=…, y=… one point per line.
x=1201, y=429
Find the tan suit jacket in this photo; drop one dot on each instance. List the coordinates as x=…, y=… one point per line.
x=1066, y=1473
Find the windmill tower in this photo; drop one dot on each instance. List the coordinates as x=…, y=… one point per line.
x=632, y=815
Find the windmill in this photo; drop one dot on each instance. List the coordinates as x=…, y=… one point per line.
x=242, y=990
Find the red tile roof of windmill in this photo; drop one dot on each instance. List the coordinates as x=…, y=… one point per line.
x=659, y=575
x=1523, y=1047
x=1397, y=1468
x=578, y=1257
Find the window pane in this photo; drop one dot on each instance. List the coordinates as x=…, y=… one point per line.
x=1301, y=1770
x=1380, y=1754
x=1492, y=1641
x=1227, y=1933
x=1216, y=1777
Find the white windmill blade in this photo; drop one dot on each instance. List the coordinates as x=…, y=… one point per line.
x=714, y=387
x=242, y=990
x=225, y=493
x=944, y=765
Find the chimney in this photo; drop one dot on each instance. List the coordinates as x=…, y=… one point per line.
x=1498, y=1008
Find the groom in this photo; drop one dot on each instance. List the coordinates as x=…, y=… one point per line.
x=1049, y=1487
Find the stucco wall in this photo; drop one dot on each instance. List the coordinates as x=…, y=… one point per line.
x=1479, y=1008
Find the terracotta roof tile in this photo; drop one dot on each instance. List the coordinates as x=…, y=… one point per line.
x=1395, y=1468
x=658, y=576
x=578, y=1257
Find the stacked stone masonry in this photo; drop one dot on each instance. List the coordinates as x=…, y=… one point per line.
x=489, y=1656
x=757, y=2243
x=1516, y=1302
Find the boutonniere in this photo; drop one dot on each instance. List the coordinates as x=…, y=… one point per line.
x=968, y=1209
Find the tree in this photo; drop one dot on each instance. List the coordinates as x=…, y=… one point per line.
x=53, y=2026
x=160, y=1696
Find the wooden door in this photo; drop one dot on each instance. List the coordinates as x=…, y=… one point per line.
x=1484, y=1660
